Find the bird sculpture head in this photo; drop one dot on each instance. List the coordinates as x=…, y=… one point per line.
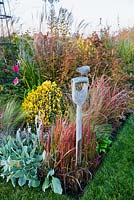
x=83, y=70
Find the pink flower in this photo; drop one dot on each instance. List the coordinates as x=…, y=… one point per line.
x=15, y=68
x=16, y=81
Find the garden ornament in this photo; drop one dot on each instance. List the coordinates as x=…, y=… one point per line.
x=83, y=70
x=79, y=94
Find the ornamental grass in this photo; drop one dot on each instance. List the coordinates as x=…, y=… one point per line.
x=60, y=148
x=107, y=103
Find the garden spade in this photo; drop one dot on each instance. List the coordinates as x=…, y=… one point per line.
x=79, y=94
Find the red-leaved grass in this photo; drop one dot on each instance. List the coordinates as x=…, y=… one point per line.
x=63, y=153
x=63, y=146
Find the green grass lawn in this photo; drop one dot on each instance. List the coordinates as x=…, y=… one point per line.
x=115, y=178
x=113, y=181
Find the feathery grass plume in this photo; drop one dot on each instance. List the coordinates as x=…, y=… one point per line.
x=107, y=102
x=12, y=115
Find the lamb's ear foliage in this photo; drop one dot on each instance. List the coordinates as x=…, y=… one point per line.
x=20, y=158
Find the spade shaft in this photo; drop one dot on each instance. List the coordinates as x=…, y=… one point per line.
x=78, y=135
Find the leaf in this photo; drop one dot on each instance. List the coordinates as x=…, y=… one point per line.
x=9, y=177
x=35, y=183
x=22, y=181
x=13, y=180
x=32, y=153
x=50, y=173
x=25, y=150
x=3, y=162
x=39, y=158
x=29, y=183
x=56, y=185
x=10, y=144
x=46, y=184
x=5, y=168
x=18, y=174
x=18, y=138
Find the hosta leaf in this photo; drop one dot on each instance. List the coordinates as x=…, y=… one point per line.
x=22, y=181
x=56, y=185
x=46, y=184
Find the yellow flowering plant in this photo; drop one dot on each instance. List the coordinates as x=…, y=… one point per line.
x=46, y=99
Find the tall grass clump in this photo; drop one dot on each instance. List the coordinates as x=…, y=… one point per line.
x=60, y=155
x=11, y=116
x=107, y=103
x=125, y=48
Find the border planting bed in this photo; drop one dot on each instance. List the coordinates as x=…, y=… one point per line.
x=113, y=181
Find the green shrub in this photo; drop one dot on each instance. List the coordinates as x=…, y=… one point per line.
x=103, y=133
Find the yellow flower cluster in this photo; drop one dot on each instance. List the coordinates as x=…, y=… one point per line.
x=46, y=99
x=85, y=45
x=82, y=44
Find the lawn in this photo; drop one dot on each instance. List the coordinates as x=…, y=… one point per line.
x=113, y=181
x=115, y=178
